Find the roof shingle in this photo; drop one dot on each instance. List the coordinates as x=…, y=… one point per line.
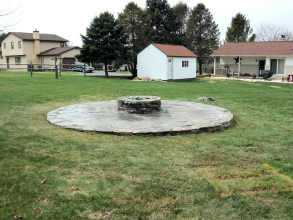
x=56, y=51
x=43, y=37
x=283, y=48
x=175, y=50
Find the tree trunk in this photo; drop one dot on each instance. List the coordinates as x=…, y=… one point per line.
x=106, y=68
x=134, y=73
x=200, y=66
x=133, y=70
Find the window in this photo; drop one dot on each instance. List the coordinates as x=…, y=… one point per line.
x=17, y=60
x=4, y=45
x=184, y=63
x=19, y=44
x=61, y=44
x=12, y=45
x=278, y=66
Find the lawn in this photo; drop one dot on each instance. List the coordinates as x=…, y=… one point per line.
x=47, y=172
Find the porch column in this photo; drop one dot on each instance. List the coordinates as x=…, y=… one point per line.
x=239, y=67
x=214, y=66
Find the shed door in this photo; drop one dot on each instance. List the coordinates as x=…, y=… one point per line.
x=170, y=68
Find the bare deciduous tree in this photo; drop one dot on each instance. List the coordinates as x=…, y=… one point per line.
x=273, y=32
x=9, y=16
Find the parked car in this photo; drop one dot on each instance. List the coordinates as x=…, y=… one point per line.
x=78, y=66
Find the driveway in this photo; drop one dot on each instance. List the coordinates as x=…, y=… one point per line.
x=102, y=73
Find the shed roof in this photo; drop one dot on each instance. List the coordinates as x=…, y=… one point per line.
x=175, y=50
x=43, y=37
x=56, y=51
x=283, y=48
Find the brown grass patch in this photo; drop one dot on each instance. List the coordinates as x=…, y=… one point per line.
x=245, y=179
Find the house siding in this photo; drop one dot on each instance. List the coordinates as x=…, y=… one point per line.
x=10, y=52
x=48, y=45
x=28, y=50
x=151, y=62
x=180, y=72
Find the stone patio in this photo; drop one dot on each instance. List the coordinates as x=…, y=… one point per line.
x=175, y=117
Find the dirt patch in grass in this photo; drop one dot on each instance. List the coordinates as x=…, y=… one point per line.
x=245, y=179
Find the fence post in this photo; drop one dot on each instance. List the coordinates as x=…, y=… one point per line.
x=60, y=67
x=31, y=67
x=84, y=69
x=56, y=68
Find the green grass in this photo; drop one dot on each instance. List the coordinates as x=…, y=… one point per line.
x=244, y=172
x=123, y=72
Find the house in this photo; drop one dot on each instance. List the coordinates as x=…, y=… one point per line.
x=19, y=49
x=255, y=57
x=66, y=54
x=166, y=62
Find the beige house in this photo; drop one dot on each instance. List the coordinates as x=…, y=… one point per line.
x=255, y=57
x=19, y=49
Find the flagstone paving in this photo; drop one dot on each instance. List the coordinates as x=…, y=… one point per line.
x=175, y=117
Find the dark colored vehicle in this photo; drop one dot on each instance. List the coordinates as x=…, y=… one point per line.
x=78, y=66
x=267, y=74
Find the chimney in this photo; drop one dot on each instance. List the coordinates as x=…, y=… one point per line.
x=36, y=35
x=37, y=46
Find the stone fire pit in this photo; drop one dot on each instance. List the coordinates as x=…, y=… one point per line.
x=142, y=115
x=139, y=104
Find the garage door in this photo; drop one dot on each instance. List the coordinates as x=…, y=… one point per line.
x=66, y=61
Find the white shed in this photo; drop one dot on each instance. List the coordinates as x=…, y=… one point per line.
x=166, y=62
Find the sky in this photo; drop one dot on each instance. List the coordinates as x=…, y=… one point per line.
x=69, y=19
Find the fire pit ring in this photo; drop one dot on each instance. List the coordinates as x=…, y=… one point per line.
x=139, y=104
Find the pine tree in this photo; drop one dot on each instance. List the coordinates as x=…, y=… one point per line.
x=138, y=29
x=239, y=30
x=104, y=40
x=202, y=34
x=164, y=22
x=181, y=11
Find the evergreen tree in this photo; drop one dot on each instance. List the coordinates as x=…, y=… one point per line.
x=164, y=22
x=138, y=29
x=2, y=35
x=202, y=34
x=181, y=11
x=239, y=30
x=104, y=40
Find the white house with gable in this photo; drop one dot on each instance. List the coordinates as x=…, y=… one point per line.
x=166, y=62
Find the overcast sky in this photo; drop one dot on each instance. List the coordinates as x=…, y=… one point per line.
x=69, y=19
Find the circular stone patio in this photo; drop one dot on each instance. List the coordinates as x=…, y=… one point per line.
x=175, y=117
